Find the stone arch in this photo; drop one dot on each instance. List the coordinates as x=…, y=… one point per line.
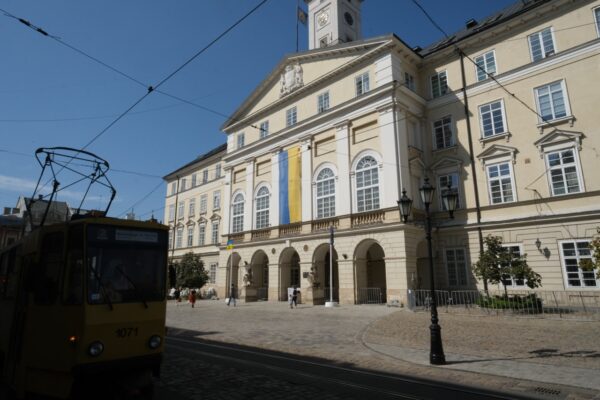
x=289, y=271
x=370, y=272
x=259, y=267
x=320, y=262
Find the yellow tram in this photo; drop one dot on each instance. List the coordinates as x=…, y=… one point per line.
x=82, y=308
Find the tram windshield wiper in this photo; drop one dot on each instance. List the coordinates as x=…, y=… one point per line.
x=102, y=287
x=141, y=295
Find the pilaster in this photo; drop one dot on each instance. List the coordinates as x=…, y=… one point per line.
x=249, y=206
x=343, y=202
x=306, y=180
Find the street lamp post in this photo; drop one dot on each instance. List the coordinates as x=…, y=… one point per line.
x=436, y=353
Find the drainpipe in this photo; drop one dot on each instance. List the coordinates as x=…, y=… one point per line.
x=472, y=158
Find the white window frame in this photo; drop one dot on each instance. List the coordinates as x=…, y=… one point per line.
x=170, y=239
x=456, y=266
x=565, y=99
x=499, y=178
x=491, y=112
x=181, y=209
x=452, y=133
x=375, y=189
x=194, y=180
x=544, y=53
x=173, y=188
x=455, y=177
x=291, y=116
x=485, y=66
x=596, y=11
x=580, y=273
x=205, y=176
x=178, y=237
x=361, y=83
x=237, y=219
x=171, y=212
x=513, y=284
x=215, y=232
x=218, y=171
x=202, y=234
x=263, y=129
x=203, y=203
x=241, y=140
x=438, y=77
x=212, y=275
x=409, y=81
x=261, y=216
x=323, y=102
x=576, y=164
x=190, y=236
x=183, y=184
x=216, y=200
x=192, y=208
x=316, y=183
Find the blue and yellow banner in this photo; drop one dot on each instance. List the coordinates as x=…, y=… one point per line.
x=290, y=186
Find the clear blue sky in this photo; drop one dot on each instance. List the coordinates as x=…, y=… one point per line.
x=52, y=96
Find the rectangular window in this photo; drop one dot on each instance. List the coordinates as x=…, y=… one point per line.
x=171, y=212
x=240, y=140
x=174, y=188
x=323, y=102
x=572, y=252
x=170, y=239
x=216, y=200
x=203, y=203
x=190, y=236
x=485, y=65
x=192, y=208
x=183, y=184
x=541, y=44
x=597, y=16
x=409, y=81
x=205, y=175
x=362, y=83
x=456, y=264
x=452, y=180
x=564, y=172
x=179, y=238
x=218, y=171
x=180, y=210
x=194, y=180
x=215, y=232
x=212, y=275
x=492, y=119
x=201, y=234
x=515, y=252
x=443, y=133
x=500, y=183
x=551, y=102
x=290, y=116
x=439, y=84
x=264, y=129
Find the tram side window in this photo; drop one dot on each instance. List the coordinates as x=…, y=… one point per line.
x=45, y=279
x=8, y=275
x=73, y=281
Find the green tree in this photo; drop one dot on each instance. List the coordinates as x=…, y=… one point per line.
x=593, y=264
x=190, y=271
x=497, y=264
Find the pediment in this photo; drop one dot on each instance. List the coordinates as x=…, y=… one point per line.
x=299, y=72
x=190, y=222
x=496, y=151
x=559, y=137
x=202, y=220
x=215, y=217
x=446, y=162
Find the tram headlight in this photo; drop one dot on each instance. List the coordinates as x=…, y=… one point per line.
x=95, y=349
x=154, y=342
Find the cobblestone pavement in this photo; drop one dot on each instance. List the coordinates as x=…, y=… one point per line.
x=382, y=339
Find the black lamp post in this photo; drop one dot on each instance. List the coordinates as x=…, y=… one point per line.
x=449, y=198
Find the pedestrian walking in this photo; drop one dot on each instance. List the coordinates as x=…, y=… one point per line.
x=295, y=297
x=192, y=298
x=291, y=301
x=178, y=295
x=231, y=295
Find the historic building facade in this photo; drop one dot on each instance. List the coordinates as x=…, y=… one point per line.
x=193, y=210
x=502, y=111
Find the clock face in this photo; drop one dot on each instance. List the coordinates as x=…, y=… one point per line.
x=348, y=18
x=323, y=17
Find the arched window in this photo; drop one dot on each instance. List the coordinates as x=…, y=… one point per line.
x=262, y=208
x=325, y=193
x=237, y=213
x=367, y=184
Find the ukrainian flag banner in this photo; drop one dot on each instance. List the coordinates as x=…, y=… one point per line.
x=290, y=186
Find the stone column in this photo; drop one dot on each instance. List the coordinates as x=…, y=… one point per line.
x=226, y=201
x=274, y=203
x=306, y=181
x=343, y=197
x=390, y=178
x=249, y=204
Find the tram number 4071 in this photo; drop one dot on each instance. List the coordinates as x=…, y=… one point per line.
x=126, y=332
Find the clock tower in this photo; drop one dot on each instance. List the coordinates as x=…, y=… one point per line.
x=332, y=22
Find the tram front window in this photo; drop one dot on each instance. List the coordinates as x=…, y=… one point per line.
x=125, y=265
